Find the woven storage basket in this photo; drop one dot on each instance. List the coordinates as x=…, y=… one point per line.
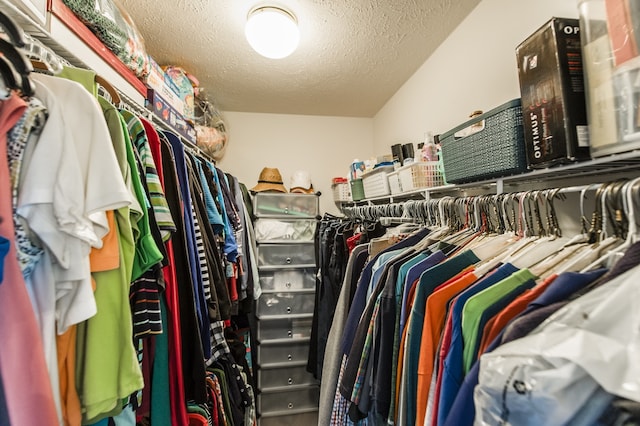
x=424, y=174
x=496, y=150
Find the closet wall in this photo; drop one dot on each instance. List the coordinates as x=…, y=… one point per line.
x=475, y=68
x=324, y=146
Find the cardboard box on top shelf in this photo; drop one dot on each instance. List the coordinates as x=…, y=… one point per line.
x=158, y=80
x=552, y=91
x=182, y=86
x=169, y=115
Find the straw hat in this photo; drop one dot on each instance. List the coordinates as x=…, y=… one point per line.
x=270, y=179
x=301, y=182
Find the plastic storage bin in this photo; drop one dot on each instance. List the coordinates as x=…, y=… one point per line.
x=279, y=255
x=286, y=354
x=610, y=38
x=488, y=146
x=285, y=229
x=278, y=378
x=376, y=183
x=285, y=303
x=341, y=190
x=268, y=204
x=288, y=279
x=423, y=174
x=357, y=189
x=284, y=328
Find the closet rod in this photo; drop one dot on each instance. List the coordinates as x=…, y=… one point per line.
x=395, y=212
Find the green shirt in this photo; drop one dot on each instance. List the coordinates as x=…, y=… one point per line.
x=476, y=305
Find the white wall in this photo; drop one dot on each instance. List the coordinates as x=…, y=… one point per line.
x=324, y=146
x=475, y=68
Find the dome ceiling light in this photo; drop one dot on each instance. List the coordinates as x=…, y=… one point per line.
x=272, y=31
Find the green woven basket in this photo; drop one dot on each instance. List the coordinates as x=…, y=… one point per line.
x=497, y=150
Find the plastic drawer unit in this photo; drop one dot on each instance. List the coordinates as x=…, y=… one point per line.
x=290, y=400
x=288, y=279
x=286, y=205
x=283, y=354
x=276, y=256
x=285, y=230
x=298, y=327
x=270, y=379
x=285, y=303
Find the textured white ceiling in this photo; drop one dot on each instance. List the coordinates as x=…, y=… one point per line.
x=353, y=54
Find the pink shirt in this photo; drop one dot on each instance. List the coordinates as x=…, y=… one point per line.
x=24, y=372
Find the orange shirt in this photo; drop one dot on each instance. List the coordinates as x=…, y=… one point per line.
x=434, y=317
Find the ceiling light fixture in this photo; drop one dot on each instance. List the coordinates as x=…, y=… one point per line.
x=272, y=32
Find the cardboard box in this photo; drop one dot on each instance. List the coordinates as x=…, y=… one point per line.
x=552, y=92
x=158, y=81
x=169, y=115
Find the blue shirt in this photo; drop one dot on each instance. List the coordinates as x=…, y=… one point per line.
x=413, y=274
x=4, y=249
x=214, y=216
x=196, y=273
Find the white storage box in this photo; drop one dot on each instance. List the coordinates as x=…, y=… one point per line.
x=394, y=183
x=376, y=183
x=425, y=174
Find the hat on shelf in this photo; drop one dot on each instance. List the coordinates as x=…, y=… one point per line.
x=270, y=179
x=301, y=182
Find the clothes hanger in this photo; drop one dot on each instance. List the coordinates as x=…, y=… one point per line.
x=12, y=29
x=630, y=193
x=10, y=77
x=113, y=93
x=20, y=64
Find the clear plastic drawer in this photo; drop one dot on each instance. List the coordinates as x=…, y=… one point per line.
x=288, y=279
x=285, y=303
x=294, y=205
x=286, y=255
x=270, y=378
x=285, y=229
x=295, y=352
x=284, y=328
x=305, y=418
x=298, y=399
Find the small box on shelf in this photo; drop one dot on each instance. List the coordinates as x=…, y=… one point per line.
x=168, y=114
